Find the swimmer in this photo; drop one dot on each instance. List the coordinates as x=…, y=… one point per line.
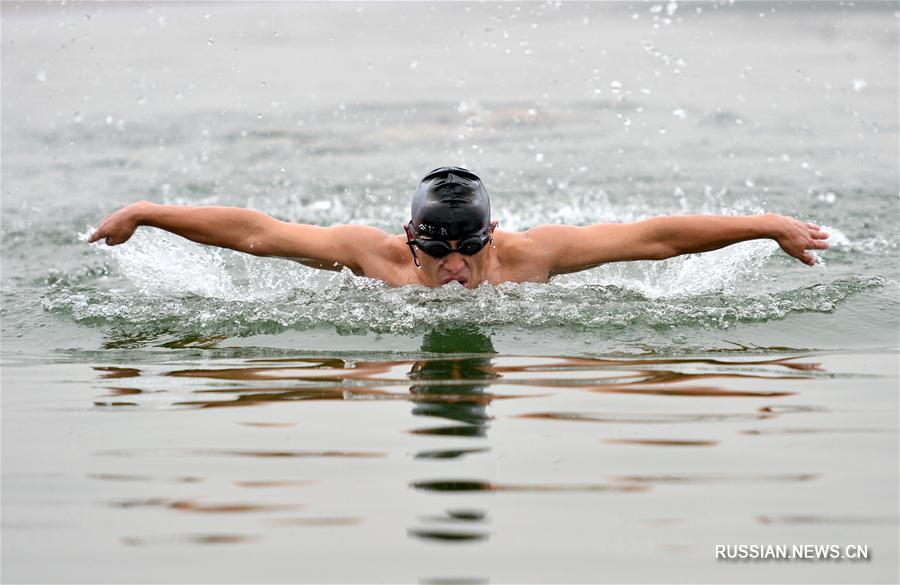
x=451, y=237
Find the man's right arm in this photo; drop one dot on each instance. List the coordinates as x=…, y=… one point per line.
x=248, y=231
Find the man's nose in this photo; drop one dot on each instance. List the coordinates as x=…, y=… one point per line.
x=454, y=262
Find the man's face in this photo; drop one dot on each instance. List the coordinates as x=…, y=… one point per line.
x=453, y=267
x=469, y=271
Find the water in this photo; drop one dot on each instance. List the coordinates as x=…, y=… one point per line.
x=167, y=404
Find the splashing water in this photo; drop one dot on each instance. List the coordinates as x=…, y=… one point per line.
x=210, y=291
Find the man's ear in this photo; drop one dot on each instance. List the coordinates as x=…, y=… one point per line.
x=494, y=225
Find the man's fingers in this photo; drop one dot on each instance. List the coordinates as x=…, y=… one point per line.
x=812, y=225
x=99, y=235
x=819, y=235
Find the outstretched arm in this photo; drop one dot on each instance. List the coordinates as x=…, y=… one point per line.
x=571, y=248
x=248, y=231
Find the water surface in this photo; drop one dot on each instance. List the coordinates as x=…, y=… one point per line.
x=176, y=413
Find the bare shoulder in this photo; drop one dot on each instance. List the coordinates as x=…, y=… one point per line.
x=517, y=246
x=388, y=258
x=522, y=256
x=394, y=249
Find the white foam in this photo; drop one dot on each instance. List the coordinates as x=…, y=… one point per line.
x=690, y=275
x=163, y=264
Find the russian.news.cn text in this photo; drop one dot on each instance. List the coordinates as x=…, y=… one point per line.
x=792, y=552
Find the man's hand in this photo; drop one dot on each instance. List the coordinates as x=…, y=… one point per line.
x=118, y=227
x=796, y=237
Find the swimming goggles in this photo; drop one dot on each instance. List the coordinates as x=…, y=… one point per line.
x=439, y=248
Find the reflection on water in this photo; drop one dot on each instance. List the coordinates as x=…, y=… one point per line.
x=461, y=432
x=144, y=478
x=457, y=391
x=653, y=418
x=447, y=535
x=203, y=508
x=265, y=454
x=474, y=485
x=662, y=442
x=460, y=385
x=846, y=520
x=719, y=478
x=189, y=539
x=449, y=453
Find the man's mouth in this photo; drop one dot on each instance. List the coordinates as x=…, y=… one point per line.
x=459, y=279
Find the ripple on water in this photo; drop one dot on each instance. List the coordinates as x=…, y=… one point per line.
x=360, y=305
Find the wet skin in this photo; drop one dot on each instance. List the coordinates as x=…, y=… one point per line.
x=467, y=270
x=535, y=255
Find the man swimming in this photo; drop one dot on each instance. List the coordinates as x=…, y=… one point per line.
x=451, y=237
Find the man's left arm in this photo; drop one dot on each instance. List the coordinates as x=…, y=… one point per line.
x=570, y=248
x=690, y=234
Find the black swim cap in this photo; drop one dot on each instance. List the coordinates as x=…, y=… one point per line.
x=450, y=203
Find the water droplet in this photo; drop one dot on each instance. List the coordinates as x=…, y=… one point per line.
x=539, y=157
x=41, y=76
x=210, y=41
x=414, y=64
x=859, y=84
x=77, y=118
x=615, y=86
x=749, y=183
x=679, y=113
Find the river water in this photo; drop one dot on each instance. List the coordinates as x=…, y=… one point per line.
x=173, y=412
